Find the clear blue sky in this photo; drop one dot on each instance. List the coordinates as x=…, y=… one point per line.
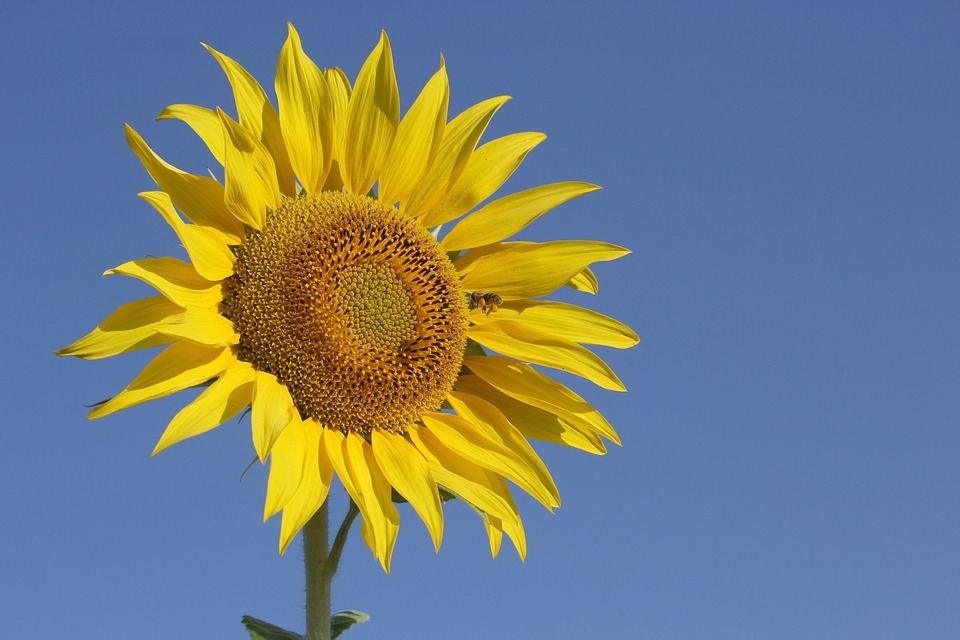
x=788, y=178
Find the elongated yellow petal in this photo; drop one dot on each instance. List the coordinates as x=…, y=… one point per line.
x=483, y=490
x=531, y=270
x=532, y=422
x=204, y=122
x=494, y=528
x=524, y=383
x=288, y=459
x=313, y=488
x=250, y=175
x=201, y=326
x=258, y=116
x=407, y=471
x=339, y=87
x=466, y=440
x=207, y=247
x=509, y=215
x=564, y=321
x=199, y=197
x=271, y=412
x=177, y=280
x=377, y=497
x=521, y=341
x=418, y=140
x=306, y=113
x=585, y=281
x=372, y=120
x=128, y=328
x=177, y=367
x=488, y=418
x=221, y=401
x=460, y=138
x=208, y=251
x=334, y=444
x=488, y=168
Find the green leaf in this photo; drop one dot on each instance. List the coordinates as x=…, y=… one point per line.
x=260, y=630
x=343, y=620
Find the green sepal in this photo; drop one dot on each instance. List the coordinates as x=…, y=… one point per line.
x=473, y=349
x=445, y=495
x=343, y=620
x=260, y=630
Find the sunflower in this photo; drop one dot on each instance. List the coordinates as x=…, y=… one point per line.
x=320, y=293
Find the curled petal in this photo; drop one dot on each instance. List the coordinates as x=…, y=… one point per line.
x=177, y=280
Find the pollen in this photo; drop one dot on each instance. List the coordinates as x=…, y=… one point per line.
x=352, y=305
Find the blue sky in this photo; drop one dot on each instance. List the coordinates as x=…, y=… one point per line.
x=788, y=178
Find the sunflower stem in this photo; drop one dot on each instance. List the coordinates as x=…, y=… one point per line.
x=315, y=550
x=333, y=559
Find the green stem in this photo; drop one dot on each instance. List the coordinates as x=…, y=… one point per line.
x=330, y=566
x=321, y=565
x=315, y=535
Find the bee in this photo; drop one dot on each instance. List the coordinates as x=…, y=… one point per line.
x=486, y=302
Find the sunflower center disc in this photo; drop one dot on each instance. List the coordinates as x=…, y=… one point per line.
x=355, y=307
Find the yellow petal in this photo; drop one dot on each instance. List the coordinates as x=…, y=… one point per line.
x=313, y=488
x=488, y=168
x=177, y=367
x=207, y=247
x=494, y=529
x=258, y=116
x=418, y=140
x=524, y=383
x=221, y=401
x=509, y=215
x=205, y=327
x=460, y=137
x=532, y=422
x=585, y=281
x=407, y=471
x=339, y=86
x=199, y=197
x=466, y=440
x=287, y=465
x=526, y=343
x=177, y=280
x=488, y=418
x=483, y=490
x=204, y=122
x=376, y=495
x=334, y=444
x=372, y=120
x=250, y=175
x=564, y=321
x=271, y=412
x=531, y=270
x=128, y=328
x=306, y=113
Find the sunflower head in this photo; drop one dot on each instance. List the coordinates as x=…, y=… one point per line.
x=354, y=307
x=366, y=346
